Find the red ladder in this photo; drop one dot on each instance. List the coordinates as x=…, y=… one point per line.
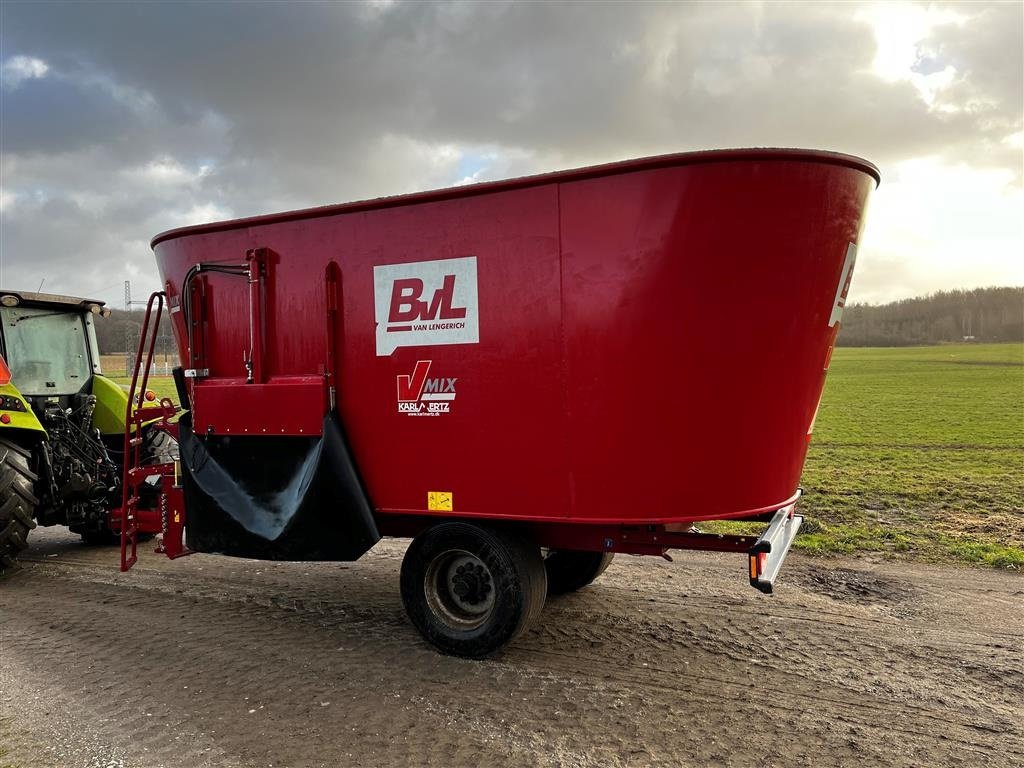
x=169, y=518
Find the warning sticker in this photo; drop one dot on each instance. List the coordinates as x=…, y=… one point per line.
x=439, y=501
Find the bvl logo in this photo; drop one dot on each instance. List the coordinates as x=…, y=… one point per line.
x=426, y=303
x=419, y=395
x=407, y=307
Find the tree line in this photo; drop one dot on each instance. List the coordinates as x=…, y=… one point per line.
x=120, y=332
x=980, y=315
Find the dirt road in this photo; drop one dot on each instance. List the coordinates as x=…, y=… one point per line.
x=213, y=661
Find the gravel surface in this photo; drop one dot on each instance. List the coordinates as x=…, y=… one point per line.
x=212, y=661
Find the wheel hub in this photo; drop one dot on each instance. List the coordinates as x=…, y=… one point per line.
x=471, y=583
x=460, y=589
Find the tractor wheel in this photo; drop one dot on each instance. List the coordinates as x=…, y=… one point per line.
x=158, y=447
x=569, y=570
x=100, y=538
x=470, y=590
x=106, y=537
x=17, y=502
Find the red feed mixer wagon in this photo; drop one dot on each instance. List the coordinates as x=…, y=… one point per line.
x=526, y=377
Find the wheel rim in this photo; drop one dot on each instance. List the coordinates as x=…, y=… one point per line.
x=459, y=589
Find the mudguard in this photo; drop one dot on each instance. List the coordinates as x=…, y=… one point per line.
x=19, y=413
x=111, y=404
x=301, y=497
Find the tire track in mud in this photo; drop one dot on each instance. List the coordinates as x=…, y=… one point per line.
x=232, y=663
x=628, y=673
x=751, y=636
x=473, y=704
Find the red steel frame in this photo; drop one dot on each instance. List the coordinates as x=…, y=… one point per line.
x=169, y=519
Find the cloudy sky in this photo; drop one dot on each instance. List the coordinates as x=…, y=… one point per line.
x=119, y=121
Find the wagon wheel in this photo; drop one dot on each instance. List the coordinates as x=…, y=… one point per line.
x=569, y=570
x=470, y=590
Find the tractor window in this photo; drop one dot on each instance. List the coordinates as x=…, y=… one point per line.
x=47, y=350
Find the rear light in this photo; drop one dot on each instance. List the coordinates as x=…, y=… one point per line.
x=5, y=372
x=150, y=395
x=757, y=561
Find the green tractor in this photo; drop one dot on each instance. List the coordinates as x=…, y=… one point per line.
x=62, y=422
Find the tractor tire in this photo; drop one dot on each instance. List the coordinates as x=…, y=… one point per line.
x=102, y=538
x=569, y=570
x=158, y=447
x=17, y=501
x=470, y=590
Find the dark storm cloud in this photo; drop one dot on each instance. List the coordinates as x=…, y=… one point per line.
x=153, y=115
x=37, y=119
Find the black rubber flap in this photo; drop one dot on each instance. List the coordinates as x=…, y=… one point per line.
x=275, y=498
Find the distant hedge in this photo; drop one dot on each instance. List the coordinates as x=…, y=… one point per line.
x=986, y=314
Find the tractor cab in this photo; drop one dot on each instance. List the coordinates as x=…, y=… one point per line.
x=49, y=343
x=52, y=364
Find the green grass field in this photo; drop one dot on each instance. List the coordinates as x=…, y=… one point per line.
x=920, y=452
x=917, y=452
x=162, y=385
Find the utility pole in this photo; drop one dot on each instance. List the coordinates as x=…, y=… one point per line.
x=129, y=336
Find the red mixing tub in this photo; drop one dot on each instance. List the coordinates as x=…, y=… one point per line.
x=526, y=376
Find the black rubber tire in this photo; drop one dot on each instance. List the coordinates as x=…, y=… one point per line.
x=517, y=573
x=100, y=538
x=106, y=538
x=158, y=447
x=569, y=570
x=17, y=501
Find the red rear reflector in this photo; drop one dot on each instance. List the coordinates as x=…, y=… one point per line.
x=757, y=564
x=5, y=374
x=4, y=418
x=150, y=395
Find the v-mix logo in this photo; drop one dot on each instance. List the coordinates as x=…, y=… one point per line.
x=420, y=395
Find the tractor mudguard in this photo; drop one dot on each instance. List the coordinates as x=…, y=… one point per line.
x=19, y=413
x=301, y=497
x=111, y=404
